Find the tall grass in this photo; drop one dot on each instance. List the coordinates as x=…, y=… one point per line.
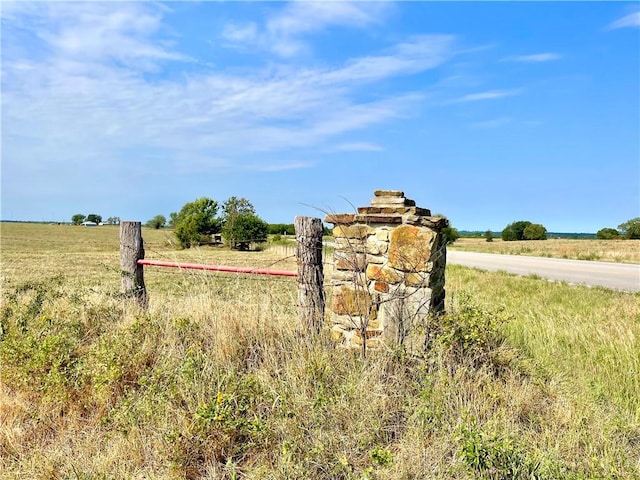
x=522, y=379
x=621, y=251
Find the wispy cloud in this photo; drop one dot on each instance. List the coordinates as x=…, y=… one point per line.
x=96, y=32
x=279, y=167
x=103, y=105
x=631, y=20
x=415, y=55
x=534, y=58
x=494, y=123
x=283, y=32
x=488, y=95
x=357, y=147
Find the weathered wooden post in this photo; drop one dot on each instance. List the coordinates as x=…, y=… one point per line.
x=132, y=250
x=310, y=275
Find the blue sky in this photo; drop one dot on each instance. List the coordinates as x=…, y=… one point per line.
x=485, y=112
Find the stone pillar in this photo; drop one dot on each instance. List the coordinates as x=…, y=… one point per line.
x=389, y=266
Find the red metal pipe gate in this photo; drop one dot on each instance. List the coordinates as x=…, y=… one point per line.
x=219, y=268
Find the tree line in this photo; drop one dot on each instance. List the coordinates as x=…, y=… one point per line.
x=79, y=218
x=629, y=230
x=525, y=230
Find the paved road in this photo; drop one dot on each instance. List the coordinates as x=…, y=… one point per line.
x=619, y=276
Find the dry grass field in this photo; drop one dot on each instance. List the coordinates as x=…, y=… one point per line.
x=623, y=251
x=525, y=379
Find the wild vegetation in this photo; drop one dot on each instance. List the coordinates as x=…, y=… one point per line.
x=521, y=379
x=596, y=250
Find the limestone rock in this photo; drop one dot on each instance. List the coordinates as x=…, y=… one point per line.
x=348, y=300
x=410, y=248
x=383, y=274
x=356, y=231
x=388, y=193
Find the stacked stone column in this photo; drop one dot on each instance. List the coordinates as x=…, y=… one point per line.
x=389, y=264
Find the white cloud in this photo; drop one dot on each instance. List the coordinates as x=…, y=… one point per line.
x=283, y=32
x=413, y=56
x=494, y=123
x=279, y=167
x=103, y=105
x=97, y=32
x=631, y=20
x=534, y=58
x=358, y=147
x=488, y=95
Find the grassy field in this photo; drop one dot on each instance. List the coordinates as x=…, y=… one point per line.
x=525, y=378
x=623, y=251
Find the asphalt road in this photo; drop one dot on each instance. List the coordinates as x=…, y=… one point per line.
x=618, y=276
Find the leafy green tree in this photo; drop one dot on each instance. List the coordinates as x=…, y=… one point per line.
x=245, y=229
x=113, y=220
x=514, y=231
x=157, y=222
x=535, y=231
x=93, y=217
x=488, y=236
x=607, y=234
x=196, y=221
x=233, y=209
x=77, y=219
x=237, y=206
x=631, y=228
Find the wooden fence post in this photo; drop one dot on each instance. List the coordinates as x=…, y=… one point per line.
x=310, y=275
x=132, y=250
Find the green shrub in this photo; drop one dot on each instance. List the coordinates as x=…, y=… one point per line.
x=39, y=350
x=494, y=457
x=468, y=336
x=535, y=231
x=157, y=222
x=515, y=231
x=607, y=234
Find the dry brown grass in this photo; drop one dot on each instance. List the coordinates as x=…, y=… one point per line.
x=622, y=251
x=215, y=381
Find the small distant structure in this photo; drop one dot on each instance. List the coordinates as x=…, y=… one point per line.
x=89, y=224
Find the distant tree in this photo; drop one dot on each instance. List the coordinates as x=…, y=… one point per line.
x=196, y=221
x=113, y=221
x=77, y=219
x=607, y=234
x=232, y=210
x=173, y=217
x=157, y=222
x=281, y=229
x=631, y=228
x=488, y=236
x=236, y=206
x=93, y=217
x=450, y=234
x=514, y=231
x=535, y=231
x=245, y=229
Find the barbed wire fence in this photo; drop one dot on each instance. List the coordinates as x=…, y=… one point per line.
x=308, y=250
